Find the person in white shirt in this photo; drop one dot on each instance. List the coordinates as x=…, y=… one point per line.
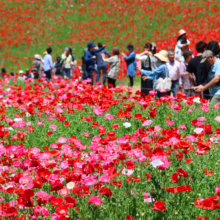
x=21, y=75
x=148, y=62
x=181, y=42
x=67, y=63
x=174, y=72
x=114, y=66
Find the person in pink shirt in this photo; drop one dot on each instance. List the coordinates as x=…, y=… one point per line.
x=174, y=72
x=188, y=79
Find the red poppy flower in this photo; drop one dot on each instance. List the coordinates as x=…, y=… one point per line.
x=62, y=210
x=159, y=206
x=106, y=191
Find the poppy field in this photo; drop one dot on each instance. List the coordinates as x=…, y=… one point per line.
x=29, y=27
x=72, y=151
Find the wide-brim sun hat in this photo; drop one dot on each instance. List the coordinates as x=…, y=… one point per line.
x=37, y=56
x=181, y=32
x=162, y=55
x=21, y=72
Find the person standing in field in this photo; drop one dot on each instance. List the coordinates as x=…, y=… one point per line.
x=148, y=62
x=131, y=64
x=181, y=42
x=200, y=70
x=188, y=79
x=36, y=66
x=213, y=80
x=67, y=62
x=161, y=71
x=101, y=64
x=174, y=72
x=74, y=62
x=90, y=58
x=114, y=66
x=48, y=64
x=218, y=56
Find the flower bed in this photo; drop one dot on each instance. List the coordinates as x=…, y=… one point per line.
x=71, y=151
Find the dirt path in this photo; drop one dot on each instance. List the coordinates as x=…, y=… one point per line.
x=135, y=89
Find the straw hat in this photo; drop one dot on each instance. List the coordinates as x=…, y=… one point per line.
x=181, y=32
x=162, y=55
x=21, y=72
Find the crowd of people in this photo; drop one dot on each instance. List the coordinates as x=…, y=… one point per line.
x=199, y=74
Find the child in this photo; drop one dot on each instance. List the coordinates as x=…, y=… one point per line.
x=188, y=79
x=182, y=41
x=21, y=75
x=58, y=67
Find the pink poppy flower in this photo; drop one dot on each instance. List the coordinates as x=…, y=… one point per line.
x=95, y=200
x=53, y=127
x=182, y=127
x=217, y=119
x=98, y=111
x=64, y=192
x=127, y=172
x=40, y=123
x=147, y=123
x=170, y=123
x=62, y=140
x=89, y=181
x=104, y=179
x=19, y=124
x=109, y=117
x=153, y=93
x=86, y=134
x=148, y=199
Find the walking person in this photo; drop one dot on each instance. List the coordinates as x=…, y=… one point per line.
x=114, y=66
x=58, y=67
x=74, y=62
x=181, y=42
x=67, y=61
x=213, y=80
x=48, y=64
x=131, y=64
x=161, y=71
x=188, y=79
x=36, y=66
x=148, y=62
x=201, y=70
x=90, y=58
x=101, y=64
x=174, y=73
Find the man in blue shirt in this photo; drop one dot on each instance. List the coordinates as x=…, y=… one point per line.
x=48, y=64
x=101, y=65
x=213, y=77
x=90, y=57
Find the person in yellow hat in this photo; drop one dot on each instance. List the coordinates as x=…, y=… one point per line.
x=182, y=41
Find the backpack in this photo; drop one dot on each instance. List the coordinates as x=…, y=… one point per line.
x=59, y=68
x=35, y=67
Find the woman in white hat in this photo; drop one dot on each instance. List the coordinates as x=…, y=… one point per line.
x=182, y=41
x=161, y=71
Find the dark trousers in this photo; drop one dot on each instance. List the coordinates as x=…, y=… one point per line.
x=131, y=81
x=174, y=88
x=160, y=94
x=48, y=74
x=112, y=82
x=146, y=86
x=100, y=70
x=90, y=75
